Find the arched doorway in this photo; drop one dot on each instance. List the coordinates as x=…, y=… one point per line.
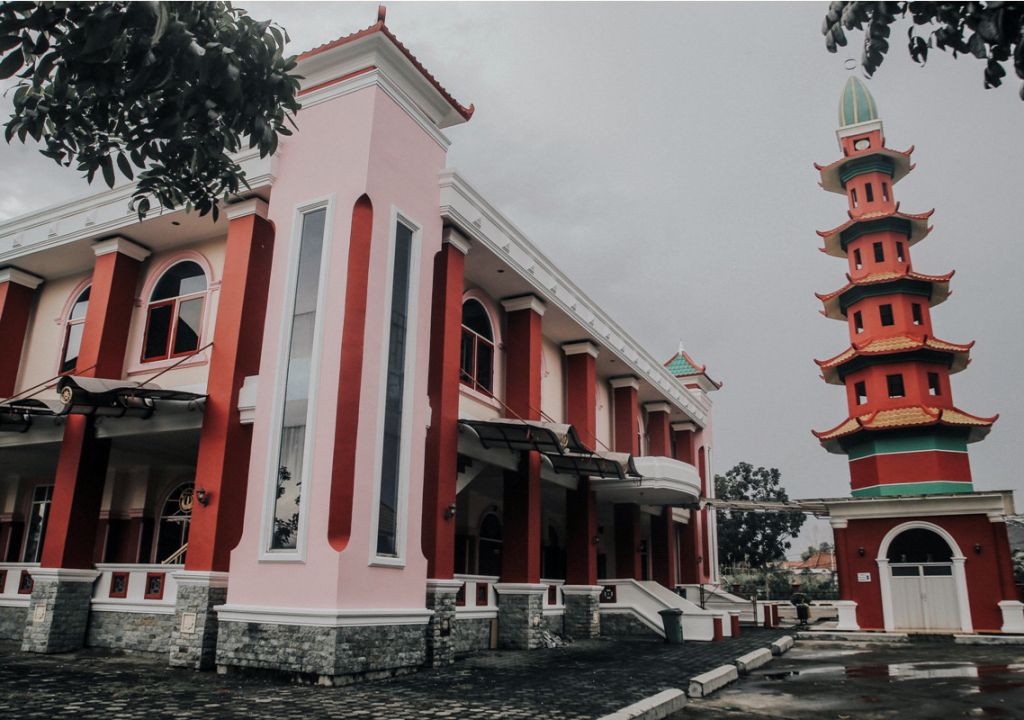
x=175, y=516
x=490, y=546
x=923, y=579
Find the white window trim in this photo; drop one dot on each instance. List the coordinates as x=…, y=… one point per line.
x=280, y=378
x=408, y=397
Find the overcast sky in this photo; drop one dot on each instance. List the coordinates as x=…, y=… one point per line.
x=661, y=155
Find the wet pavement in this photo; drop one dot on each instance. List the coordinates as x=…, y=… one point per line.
x=923, y=679
x=584, y=680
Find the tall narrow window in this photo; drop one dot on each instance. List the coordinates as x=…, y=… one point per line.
x=895, y=386
x=853, y=196
x=861, y=391
x=38, y=517
x=879, y=252
x=933, y=384
x=899, y=251
x=885, y=315
x=915, y=312
x=73, y=329
x=175, y=314
x=387, y=511
x=885, y=192
x=869, y=193
x=858, y=322
x=858, y=263
x=298, y=379
x=477, y=347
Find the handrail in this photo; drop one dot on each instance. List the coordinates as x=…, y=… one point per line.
x=173, y=558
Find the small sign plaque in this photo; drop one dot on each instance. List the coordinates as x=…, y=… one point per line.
x=39, y=613
x=864, y=577
x=188, y=623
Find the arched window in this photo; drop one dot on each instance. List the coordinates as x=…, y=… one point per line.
x=174, y=317
x=919, y=545
x=73, y=329
x=175, y=516
x=477, y=361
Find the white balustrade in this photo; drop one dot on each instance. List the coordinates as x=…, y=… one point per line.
x=135, y=588
x=16, y=583
x=477, y=598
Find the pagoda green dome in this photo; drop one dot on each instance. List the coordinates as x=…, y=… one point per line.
x=856, y=105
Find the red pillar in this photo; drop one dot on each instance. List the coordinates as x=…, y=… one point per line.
x=581, y=503
x=627, y=515
x=82, y=464
x=659, y=438
x=16, y=289
x=685, y=451
x=1001, y=543
x=442, y=450
x=222, y=466
x=520, y=559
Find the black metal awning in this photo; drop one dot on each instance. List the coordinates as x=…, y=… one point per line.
x=18, y=415
x=617, y=466
x=117, y=398
x=511, y=434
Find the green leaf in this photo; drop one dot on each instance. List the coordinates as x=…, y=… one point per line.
x=124, y=166
x=11, y=64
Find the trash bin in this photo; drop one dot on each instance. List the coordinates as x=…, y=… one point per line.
x=803, y=613
x=672, y=621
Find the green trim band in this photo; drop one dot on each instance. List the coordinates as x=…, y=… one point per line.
x=864, y=165
x=935, y=487
x=903, y=285
x=865, y=227
x=906, y=444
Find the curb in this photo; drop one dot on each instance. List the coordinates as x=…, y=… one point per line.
x=781, y=645
x=878, y=637
x=655, y=707
x=988, y=639
x=754, y=659
x=706, y=683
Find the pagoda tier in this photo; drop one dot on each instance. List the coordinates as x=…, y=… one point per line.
x=894, y=163
x=903, y=435
x=912, y=225
x=933, y=287
x=900, y=348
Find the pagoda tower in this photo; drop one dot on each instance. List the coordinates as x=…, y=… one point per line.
x=902, y=435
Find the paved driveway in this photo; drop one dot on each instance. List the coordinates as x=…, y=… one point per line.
x=584, y=680
x=930, y=680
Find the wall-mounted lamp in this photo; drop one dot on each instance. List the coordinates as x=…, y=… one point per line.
x=596, y=539
x=449, y=512
x=977, y=548
x=203, y=497
x=860, y=551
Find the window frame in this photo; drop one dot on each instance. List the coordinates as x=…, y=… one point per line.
x=298, y=554
x=70, y=322
x=883, y=309
x=860, y=391
x=409, y=392
x=890, y=380
x=878, y=248
x=473, y=381
x=175, y=303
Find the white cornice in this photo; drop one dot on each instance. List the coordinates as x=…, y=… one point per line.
x=684, y=427
x=252, y=206
x=20, y=277
x=456, y=239
x=655, y=407
x=121, y=245
x=985, y=503
x=327, y=617
x=201, y=578
x=858, y=129
x=462, y=205
x=579, y=348
x=64, y=575
x=524, y=302
x=625, y=381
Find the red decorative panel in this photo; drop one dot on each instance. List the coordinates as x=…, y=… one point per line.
x=155, y=585
x=118, y=585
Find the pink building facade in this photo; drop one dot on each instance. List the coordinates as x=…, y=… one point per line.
x=359, y=425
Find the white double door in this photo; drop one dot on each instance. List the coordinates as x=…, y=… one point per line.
x=924, y=596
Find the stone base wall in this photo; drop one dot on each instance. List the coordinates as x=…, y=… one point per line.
x=520, y=620
x=582, y=616
x=58, y=616
x=469, y=636
x=193, y=639
x=440, y=630
x=328, y=655
x=141, y=632
x=619, y=624
x=554, y=624
x=12, y=622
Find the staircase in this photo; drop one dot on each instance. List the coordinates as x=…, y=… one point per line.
x=643, y=599
x=714, y=598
